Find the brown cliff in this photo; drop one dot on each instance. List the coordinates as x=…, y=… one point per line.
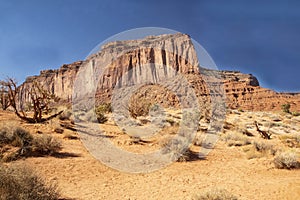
x=175, y=51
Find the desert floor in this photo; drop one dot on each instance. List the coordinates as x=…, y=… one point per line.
x=80, y=176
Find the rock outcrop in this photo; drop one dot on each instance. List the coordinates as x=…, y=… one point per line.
x=123, y=63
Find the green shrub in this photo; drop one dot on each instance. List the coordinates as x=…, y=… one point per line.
x=101, y=110
x=286, y=108
x=104, y=108
x=20, y=182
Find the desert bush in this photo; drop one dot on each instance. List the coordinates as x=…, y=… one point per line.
x=215, y=194
x=236, y=139
x=104, y=108
x=177, y=148
x=46, y=144
x=260, y=148
x=286, y=160
x=101, y=110
x=15, y=136
x=16, y=142
x=263, y=146
x=286, y=108
x=139, y=108
x=20, y=182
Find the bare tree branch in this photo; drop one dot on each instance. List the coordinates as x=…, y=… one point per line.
x=39, y=98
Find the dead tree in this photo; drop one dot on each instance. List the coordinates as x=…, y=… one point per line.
x=39, y=98
x=264, y=134
x=4, y=96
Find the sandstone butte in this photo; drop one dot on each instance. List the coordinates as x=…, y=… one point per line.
x=242, y=91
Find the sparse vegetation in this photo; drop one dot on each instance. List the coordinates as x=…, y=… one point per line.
x=139, y=108
x=45, y=144
x=104, y=108
x=20, y=182
x=286, y=108
x=16, y=142
x=215, y=194
x=101, y=110
x=286, y=160
x=263, y=147
x=236, y=139
x=260, y=148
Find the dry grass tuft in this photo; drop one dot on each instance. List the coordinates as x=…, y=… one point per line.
x=260, y=148
x=264, y=146
x=236, y=139
x=46, y=144
x=215, y=194
x=20, y=182
x=286, y=160
x=16, y=142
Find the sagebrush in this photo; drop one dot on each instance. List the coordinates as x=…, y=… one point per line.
x=17, y=142
x=215, y=194
x=21, y=182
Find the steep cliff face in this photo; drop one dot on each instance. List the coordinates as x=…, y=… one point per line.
x=131, y=62
x=59, y=82
x=243, y=91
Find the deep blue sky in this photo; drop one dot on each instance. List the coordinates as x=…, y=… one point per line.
x=258, y=37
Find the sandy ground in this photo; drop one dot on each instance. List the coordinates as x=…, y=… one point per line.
x=80, y=176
